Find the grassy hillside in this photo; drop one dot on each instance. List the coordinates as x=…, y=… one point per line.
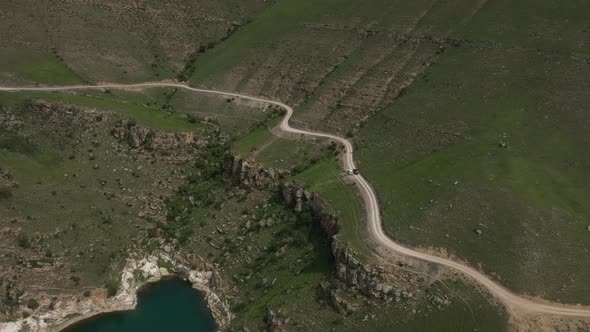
x=492, y=141
x=469, y=117
x=64, y=42
x=72, y=191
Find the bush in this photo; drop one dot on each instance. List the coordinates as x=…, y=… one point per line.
x=87, y=293
x=131, y=123
x=32, y=304
x=165, y=264
x=23, y=241
x=152, y=232
x=112, y=287
x=75, y=279
x=192, y=118
x=185, y=234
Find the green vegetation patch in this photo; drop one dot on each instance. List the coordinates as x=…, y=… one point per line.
x=150, y=116
x=485, y=156
x=74, y=191
x=326, y=179
x=31, y=66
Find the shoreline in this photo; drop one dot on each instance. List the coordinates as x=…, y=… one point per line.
x=90, y=315
x=71, y=310
x=71, y=325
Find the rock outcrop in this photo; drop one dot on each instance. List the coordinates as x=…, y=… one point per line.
x=330, y=293
x=249, y=173
x=274, y=322
x=296, y=197
x=55, y=314
x=7, y=180
x=152, y=139
x=373, y=281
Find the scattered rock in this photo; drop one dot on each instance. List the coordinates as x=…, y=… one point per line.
x=329, y=293
x=249, y=173
x=274, y=323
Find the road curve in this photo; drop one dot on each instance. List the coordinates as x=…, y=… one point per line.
x=513, y=302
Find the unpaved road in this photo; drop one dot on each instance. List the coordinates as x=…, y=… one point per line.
x=514, y=303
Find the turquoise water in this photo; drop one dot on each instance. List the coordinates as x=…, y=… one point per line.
x=169, y=305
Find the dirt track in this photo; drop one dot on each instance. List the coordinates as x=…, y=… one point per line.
x=514, y=303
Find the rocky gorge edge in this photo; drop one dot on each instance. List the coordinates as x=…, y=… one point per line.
x=373, y=281
x=351, y=274
x=137, y=273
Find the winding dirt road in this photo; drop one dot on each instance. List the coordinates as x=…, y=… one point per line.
x=513, y=302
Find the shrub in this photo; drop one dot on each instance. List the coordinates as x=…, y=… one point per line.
x=75, y=279
x=165, y=264
x=106, y=219
x=112, y=287
x=192, y=118
x=32, y=304
x=131, y=123
x=152, y=232
x=23, y=241
x=87, y=293
x=185, y=234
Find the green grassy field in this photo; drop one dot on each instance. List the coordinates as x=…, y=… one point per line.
x=236, y=117
x=490, y=141
x=78, y=194
x=144, y=115
x=261, y=145
x=35, y=67
x=432, y=90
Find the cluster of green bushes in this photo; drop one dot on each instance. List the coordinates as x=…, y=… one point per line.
x=203, y=183
x=13, y=142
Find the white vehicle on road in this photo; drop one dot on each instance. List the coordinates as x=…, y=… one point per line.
x=353, y=171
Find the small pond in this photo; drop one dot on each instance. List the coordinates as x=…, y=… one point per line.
x=168, y=305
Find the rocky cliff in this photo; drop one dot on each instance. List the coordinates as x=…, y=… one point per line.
x=296, y=197
x=375, y=282
x=55, y=313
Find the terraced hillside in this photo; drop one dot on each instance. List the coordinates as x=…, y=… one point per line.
x=468, y=116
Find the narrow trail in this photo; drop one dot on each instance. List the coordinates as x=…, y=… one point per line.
x=513, y=302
